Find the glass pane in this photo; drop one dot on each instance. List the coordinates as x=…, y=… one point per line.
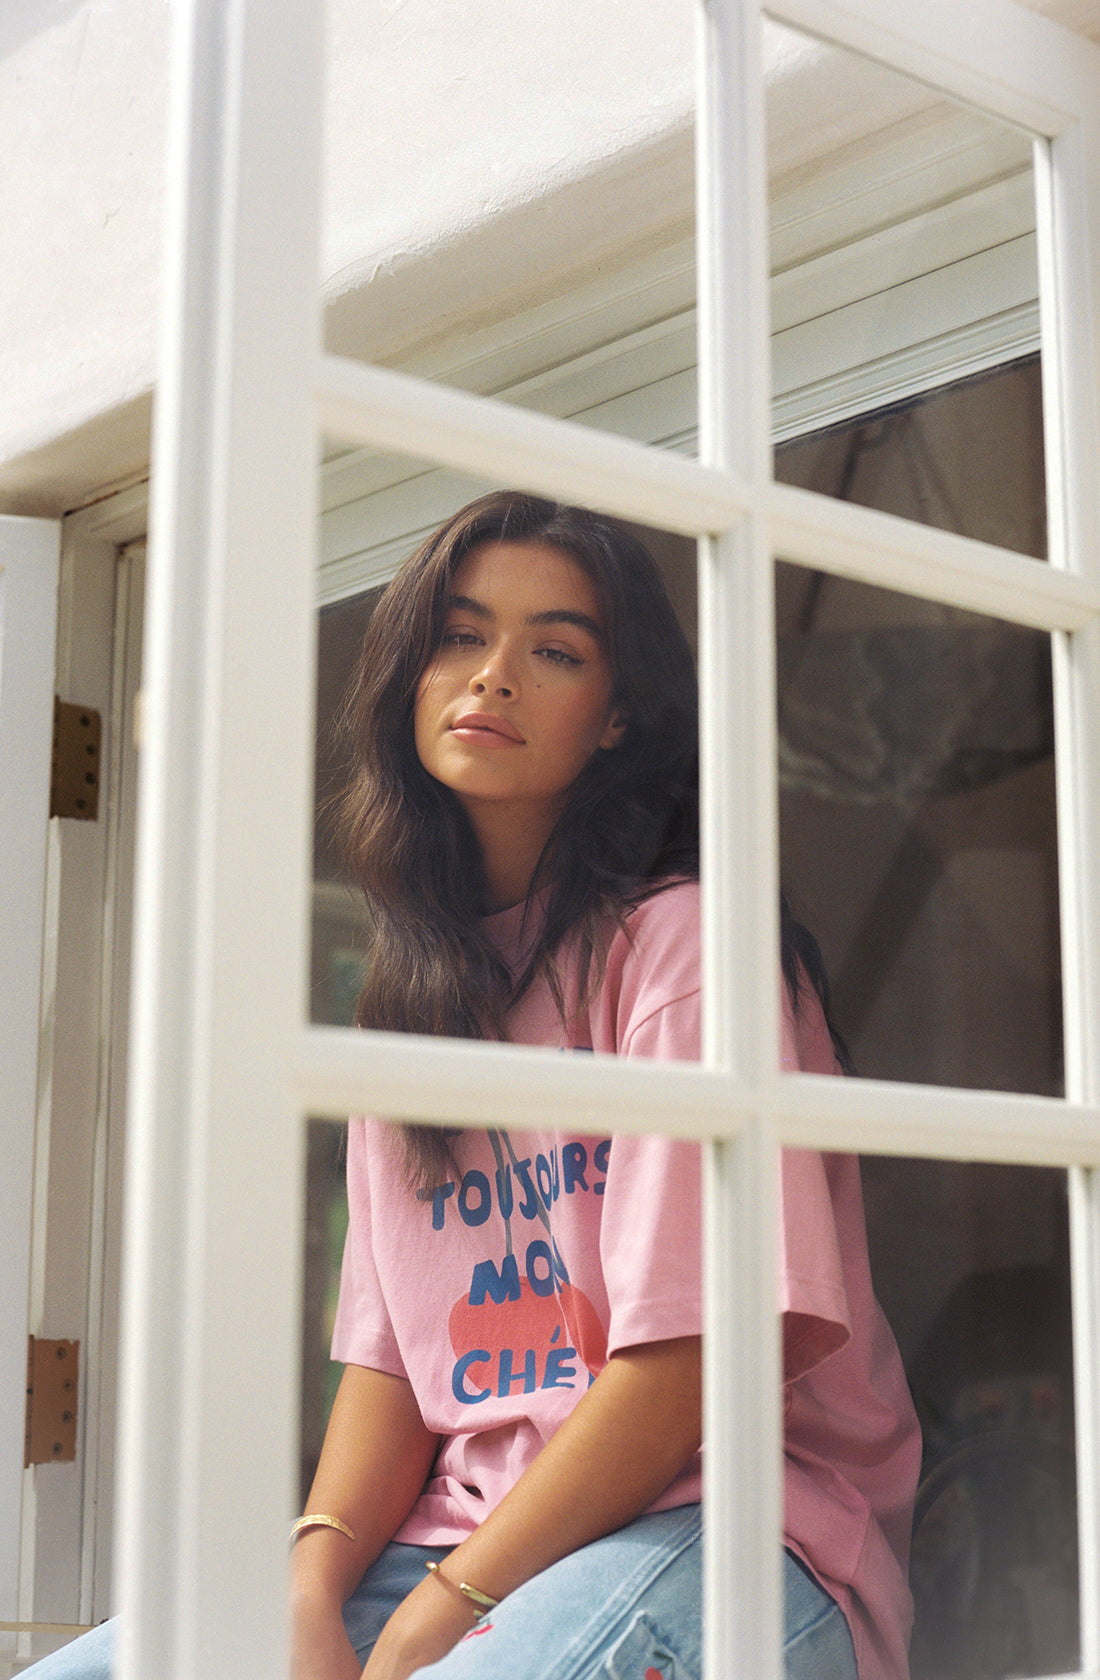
x=983, y=1323
x=503, y=1281
x=918, y=830
x=903, y=265
x=339, y=922
x=917, y=458
x=388, y=526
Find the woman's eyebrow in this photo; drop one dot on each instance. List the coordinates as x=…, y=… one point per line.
x=566, y=615
x=552, y=615
x=466, y=603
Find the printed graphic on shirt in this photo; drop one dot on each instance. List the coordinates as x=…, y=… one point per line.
x=521, y=1324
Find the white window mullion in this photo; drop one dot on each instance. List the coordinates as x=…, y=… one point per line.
x=529, y=451
x=887, y=551
x=875, y=1117
x=448, y=1079
x=1068, y=185
x=743, y=1496
x=1084, y=1209
x=209, y=1370
x=743, y=1603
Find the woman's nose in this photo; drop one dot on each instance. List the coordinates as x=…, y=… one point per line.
x=494, y=677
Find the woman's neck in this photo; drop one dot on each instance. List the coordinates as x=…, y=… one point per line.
x=511, y=844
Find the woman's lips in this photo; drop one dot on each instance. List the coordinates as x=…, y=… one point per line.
x=488, y=728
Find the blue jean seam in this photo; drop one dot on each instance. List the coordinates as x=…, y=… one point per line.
x=573, y=1661
x=825, y=1614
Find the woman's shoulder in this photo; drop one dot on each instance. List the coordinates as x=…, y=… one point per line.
x=671, y=905
x=659, y=933
x=648, y=1003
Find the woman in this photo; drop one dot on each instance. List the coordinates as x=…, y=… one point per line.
x=520, y=1311
x=509, y=1487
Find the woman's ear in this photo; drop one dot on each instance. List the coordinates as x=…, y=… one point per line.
x=613, y=734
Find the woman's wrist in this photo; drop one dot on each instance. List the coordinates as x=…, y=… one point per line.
x=314, y=1586
x=481, y=1601
x=427, y=1624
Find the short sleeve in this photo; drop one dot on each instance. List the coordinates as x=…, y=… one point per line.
x=650, y=1241
x=813, y=1297
x=651, y=1231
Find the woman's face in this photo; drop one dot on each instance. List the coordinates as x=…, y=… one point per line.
x=518, y=696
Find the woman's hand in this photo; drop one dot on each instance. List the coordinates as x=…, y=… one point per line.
x=320, y=1647
x=423, y=1628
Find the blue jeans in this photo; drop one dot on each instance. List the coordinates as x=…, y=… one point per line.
x=627, y=1607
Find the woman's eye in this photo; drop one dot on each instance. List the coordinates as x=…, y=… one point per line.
x=559, y=656
x=460, y=638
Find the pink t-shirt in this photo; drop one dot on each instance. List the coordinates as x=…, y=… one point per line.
x=501, y=1294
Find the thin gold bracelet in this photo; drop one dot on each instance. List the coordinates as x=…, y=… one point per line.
x=320, y=1519
x=480, y=1600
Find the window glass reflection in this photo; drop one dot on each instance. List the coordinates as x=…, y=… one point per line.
x=918, y=830
x=903, y=262
x=966, y=457
x=983, y=1322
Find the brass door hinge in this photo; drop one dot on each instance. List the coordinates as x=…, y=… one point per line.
x=52, y=1370
x=74, y=783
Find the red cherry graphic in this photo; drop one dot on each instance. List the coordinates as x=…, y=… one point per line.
x=532, y=1321
x=584, y=1328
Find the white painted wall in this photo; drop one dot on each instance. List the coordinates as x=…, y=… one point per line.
x=480, y=136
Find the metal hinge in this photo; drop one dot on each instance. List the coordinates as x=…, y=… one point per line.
x=52, y=1369
x=74, y=783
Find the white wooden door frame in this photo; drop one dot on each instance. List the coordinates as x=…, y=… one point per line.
x=66, y=1508
x=29, y=570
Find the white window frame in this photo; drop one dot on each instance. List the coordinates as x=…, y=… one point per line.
x=223, y=1066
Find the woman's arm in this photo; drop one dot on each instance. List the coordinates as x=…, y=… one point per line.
x=376, y=1457
x=633, y=1431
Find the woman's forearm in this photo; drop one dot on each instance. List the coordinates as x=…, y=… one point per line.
x=376, y=1457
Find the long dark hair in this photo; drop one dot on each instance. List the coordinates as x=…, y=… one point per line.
x=630, y=823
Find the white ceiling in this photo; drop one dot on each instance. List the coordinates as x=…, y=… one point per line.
x=1083, y=16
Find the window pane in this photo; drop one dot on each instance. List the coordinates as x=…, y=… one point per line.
x=983, y=1323
x=386, y=528
x=918, y=830
x=918, y=841
x=917, y=458
x=503, y=1255
x=903, y=261
x=339, y=923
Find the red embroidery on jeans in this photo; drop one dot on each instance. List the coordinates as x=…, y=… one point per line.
x=653, y=1674
x=487, y=1627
